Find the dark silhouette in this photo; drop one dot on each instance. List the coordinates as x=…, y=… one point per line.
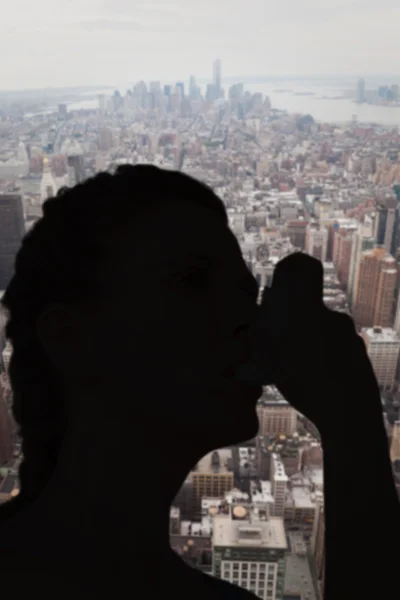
x=131, y=309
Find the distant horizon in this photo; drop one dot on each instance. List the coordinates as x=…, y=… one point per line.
x=230, y=79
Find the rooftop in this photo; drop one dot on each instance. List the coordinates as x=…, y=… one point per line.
x=302, y=498
x=241, y=533
x=225, y=462
x=261, y=492
x=381, y=334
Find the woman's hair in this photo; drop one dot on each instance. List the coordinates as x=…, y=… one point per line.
x=57, y=263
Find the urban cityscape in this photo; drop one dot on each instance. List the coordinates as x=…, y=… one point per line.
x=289, y=183
x=386, y=95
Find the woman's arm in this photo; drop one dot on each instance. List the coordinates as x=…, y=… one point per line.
x=320, y=364
x=362, y=511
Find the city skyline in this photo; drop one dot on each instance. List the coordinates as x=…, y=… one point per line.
x=250, y=514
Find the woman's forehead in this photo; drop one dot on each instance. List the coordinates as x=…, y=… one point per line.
x=177, y=230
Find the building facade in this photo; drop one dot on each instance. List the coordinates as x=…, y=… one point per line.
x=12, y=230
x=250, y=552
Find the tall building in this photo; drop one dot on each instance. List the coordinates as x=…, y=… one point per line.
x=279, y=481
x=317, y=241
x=105, y=138
x=296, y=231
x=192, y=87
x=249, y=550
x=342, y=251
x=12, y=230
x=155, y=87
x=217, y=76
x=167, y=90
x=360, y=91
x=386, y=226
x=140, y=93
x=395, y=443
x=396, y=325
x=213, y=476
x=211, y=92
x=236, y=92
x=363, y=240
x=180, y=88
x=263, y=456
x=374, y=289
x=318, y=545
x=276, y=416
x=76, y=166
x=383, y=347
x=48, y=185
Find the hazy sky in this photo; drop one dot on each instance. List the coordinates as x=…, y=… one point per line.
x=78, y=42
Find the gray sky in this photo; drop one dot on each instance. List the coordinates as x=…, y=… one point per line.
x=78, y=42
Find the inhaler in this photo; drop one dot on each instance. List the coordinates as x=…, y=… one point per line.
x=291, y=304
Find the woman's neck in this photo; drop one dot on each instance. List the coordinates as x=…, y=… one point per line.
x=108, y=490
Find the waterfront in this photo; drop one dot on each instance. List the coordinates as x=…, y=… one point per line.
x=324, y=106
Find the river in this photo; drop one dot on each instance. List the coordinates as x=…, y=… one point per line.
x=328, y=109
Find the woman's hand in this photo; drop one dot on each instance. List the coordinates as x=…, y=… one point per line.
x=313, y=355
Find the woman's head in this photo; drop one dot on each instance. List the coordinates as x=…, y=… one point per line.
x=131, y=292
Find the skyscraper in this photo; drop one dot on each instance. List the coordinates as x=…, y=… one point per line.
x=317, y=241
x=395, y=443
x=276, y=416
x=180, y=88
x=343, y=244
x=12, y=230
x=217, y=76
x=279, y=481
x=386, y=226
x=374, y=289
x=383, y=346
x=318, y=544
x=363, y=240
x=361, y=90
x=48, y=186
x=213, y=476
x=192, y=88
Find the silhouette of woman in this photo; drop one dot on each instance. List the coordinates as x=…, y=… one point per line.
x=130, y=311
x=129, y=307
